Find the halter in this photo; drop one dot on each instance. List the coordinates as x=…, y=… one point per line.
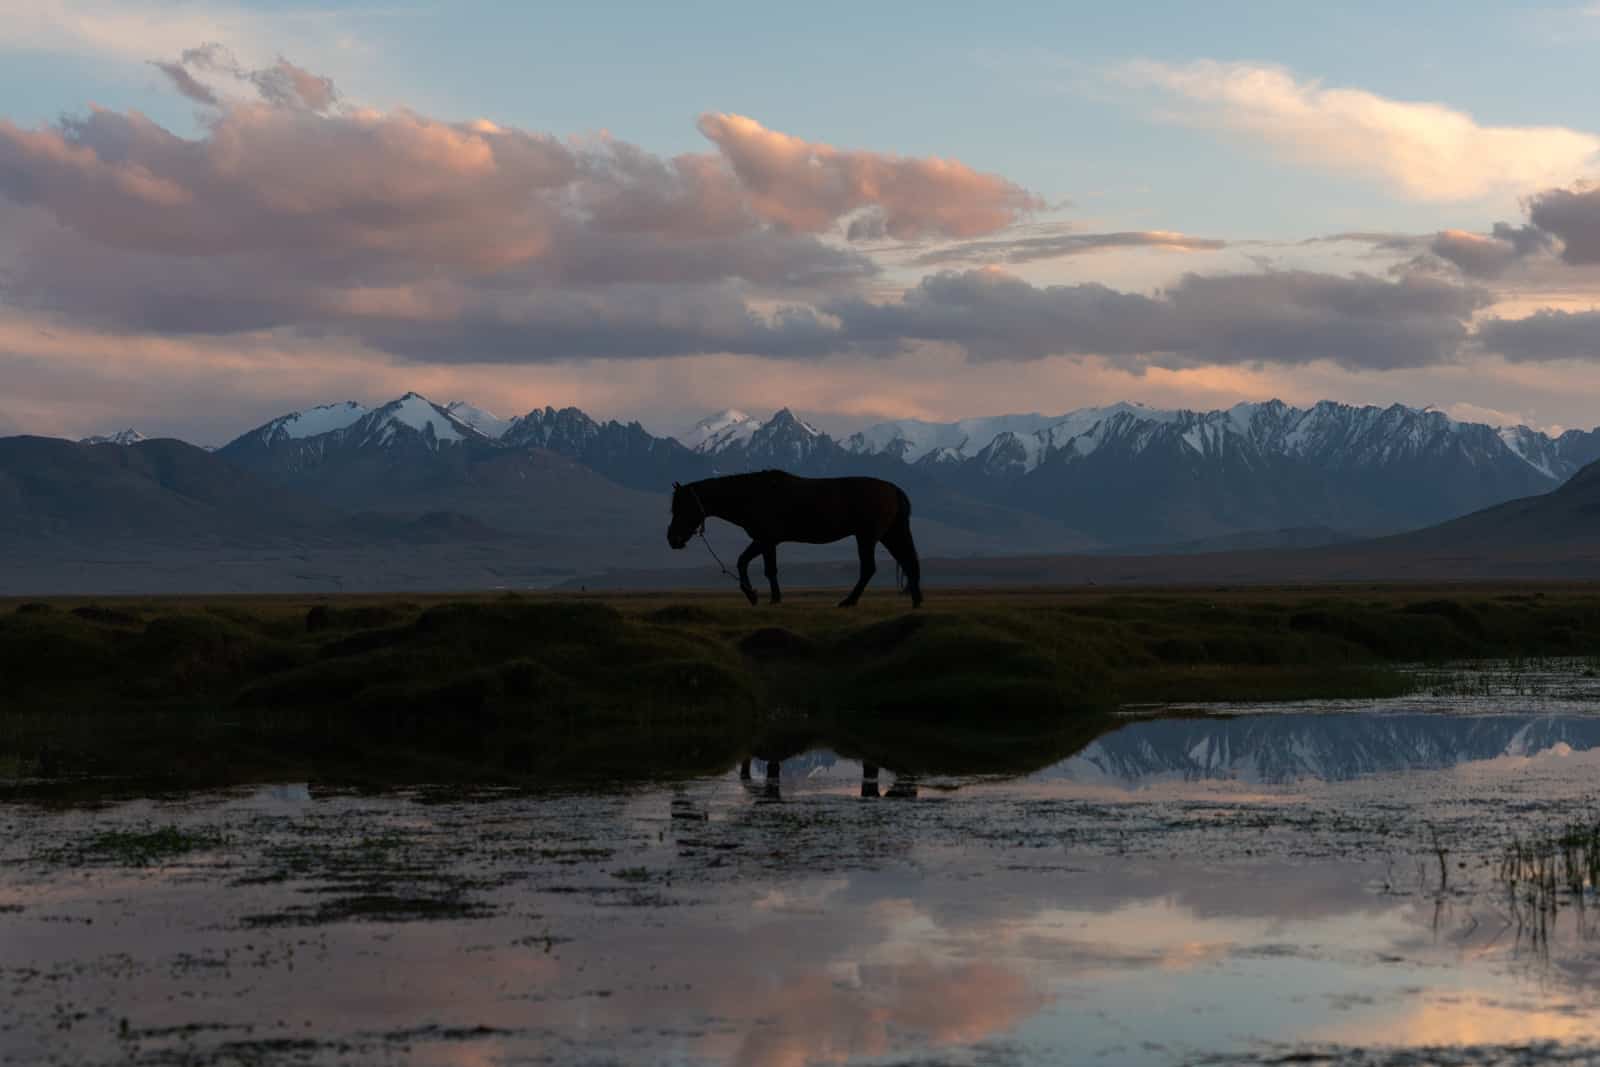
x=700, y=532
x=705, y=515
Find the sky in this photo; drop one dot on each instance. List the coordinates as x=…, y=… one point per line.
x=214, y=213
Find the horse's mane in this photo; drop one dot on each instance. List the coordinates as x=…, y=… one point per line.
x=747, y=476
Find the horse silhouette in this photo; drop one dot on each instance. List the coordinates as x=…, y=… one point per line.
x=775, y=506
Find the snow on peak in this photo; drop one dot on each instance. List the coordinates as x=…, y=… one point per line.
x=912, y=439
x=129, y=436
x=322, y=419
x=716, y=432
x=785, y=417
x=485, y=422
x=1531, y=446
x=418, y=413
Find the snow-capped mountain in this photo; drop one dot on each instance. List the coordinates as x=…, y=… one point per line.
x=715, y=432
x=485, y=422
x=340, y=437
x=130, y=436
x=355, y=425
x=914, y=439
x=410, y=414
x=568, y=431
x=1340, y=435
x=313, y=422
x=626, y=453
x=785, y=441
x=1120, y=476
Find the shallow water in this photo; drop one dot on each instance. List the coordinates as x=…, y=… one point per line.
x=1324, y=887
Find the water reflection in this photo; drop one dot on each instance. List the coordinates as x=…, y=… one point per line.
x=1258, y=889
x=1272, y=749
x=1263, y=749
x=1256, y=749
x=824, y=770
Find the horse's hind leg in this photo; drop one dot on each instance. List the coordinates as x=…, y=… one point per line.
x=904, y=550
x=769, y=563
x=745, y=557
x=866, y=547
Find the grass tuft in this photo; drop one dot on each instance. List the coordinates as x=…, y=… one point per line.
x=532, y=688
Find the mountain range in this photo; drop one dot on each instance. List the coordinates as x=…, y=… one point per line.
x=574, y=495
x=1116, y=477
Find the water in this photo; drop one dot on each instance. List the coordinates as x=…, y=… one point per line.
x=1319, y=886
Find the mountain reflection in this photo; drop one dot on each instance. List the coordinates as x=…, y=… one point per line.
x=1277, y=749
x=1265, y=749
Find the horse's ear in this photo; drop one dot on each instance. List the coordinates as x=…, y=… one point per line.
x=675, y=485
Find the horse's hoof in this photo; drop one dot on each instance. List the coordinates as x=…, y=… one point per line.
x=750, y=595
x=847, y=603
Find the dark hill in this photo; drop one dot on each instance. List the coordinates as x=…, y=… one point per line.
x=1566, y=519
x=162, y=488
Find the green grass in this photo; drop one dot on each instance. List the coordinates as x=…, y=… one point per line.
x=540, y=689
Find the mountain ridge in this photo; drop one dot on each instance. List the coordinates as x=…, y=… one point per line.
x=1117, y=478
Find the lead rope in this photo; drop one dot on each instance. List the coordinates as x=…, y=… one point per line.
x=701, y=533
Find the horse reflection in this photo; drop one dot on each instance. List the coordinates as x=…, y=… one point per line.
x=904, y=787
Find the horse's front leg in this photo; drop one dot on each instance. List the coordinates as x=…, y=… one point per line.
x=745, y=557
x=769, y=563
x=866, y=548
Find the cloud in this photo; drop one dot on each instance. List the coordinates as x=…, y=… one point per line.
x=614, y=322
x=1476, y=255
x=1564, y=220
x=452, y=243
x=134, y=30
x=1055, y=246
x=806, y=186
x=129, y=31
x=452, y=240
x=1464, y=411
x=188, y=84
x=291, y=212
x=1284, y=317
x=282, y=84
x=1573, y=216
x=1424, y=151
x=1543, y=336
x=1385, y=242
x=1488, y=256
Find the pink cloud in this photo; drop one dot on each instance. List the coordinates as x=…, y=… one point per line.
x=354, y=193
x=807, y=186
x=293, y=211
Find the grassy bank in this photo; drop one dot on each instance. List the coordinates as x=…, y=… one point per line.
x=538, y=688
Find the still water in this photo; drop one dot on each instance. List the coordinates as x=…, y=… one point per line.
x=1306, y=887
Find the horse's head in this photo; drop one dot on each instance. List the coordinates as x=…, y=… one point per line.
x=687, y=517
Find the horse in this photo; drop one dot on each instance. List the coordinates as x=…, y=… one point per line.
x=776, y=506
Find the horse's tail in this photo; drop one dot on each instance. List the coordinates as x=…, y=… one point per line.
x=903, y=548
